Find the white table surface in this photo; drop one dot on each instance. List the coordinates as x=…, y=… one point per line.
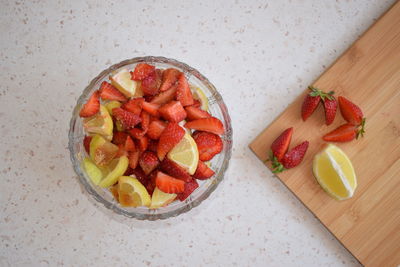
x=259, y=55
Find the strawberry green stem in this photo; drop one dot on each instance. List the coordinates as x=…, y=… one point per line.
x=317, y=92
x=277, y=167
x=361, y=131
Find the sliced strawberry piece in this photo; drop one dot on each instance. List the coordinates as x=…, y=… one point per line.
x=91, y=107
x=281, y=144
x=121, y=151
x=148, y=161
x=165, y=97
x=128, y=171
x=155, y=129
x=126, y=118
x=151, y=84
x=141, y=176
x=169, y=138
x=133, y=159
x=169, y=184
x=145, y=117
x=295, y=155
x=151, y=108
x=142, y=143
x=109, y=92
x=310, y=103
x=151, y=182
x=129, y=144
x=330, y=106
x=196, y=103
x=119, y=138
x=203, y=172
x=173, y=169
x=169, y=78
x=173, y=111
x=86, y=143
x=212, y=125
x=184, y=94
x=134, y=105
x=136, y=133
x=208, y=144
x=189, y=188
x=194, y=113
x=152, y=146
x=343, y=133
x=141, y=71
x=350, y=111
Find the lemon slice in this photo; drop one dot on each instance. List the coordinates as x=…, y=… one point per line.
x=335, y=173
x=131, y=193
x=101, y=123
x=201, y=96
x=122, y=81
x=95, y=174
x=161, y=199
x=101, y=150
x=111, y=105
x=185, y=154
x=112, y=171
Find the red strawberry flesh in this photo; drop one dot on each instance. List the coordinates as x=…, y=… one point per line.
x=281, y=144
x=295, y=155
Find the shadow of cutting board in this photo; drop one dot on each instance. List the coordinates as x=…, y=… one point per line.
x=368, y=73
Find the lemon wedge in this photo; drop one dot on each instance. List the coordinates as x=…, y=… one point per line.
x=161, y=199
x=102, y=151
x=113, y=171
x=101, y=123
x=335, y=173
x=131, y=193
x=185, y=154
x=95, y=174
x=201, y=96
x=122, y=81
x=111, y=105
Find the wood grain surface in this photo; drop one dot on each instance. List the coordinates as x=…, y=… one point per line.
x=368, y=73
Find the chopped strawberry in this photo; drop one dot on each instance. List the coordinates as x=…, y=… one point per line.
x=152, y=146
x=141, y=71
x=91, y=107
x=119, y=138
x=169, y=138
x=310, y=103
x=196, y=103
x=136, y=133
x=208, y=144
x=150, y=85
x=184, y=94
x=134, y=105
x=142, y=143
x=145, y=117
x=194, y=113
x=343, y=133
x=350, y=111
x=173, y=169
x=155, y=129
x=330, y=106
x=148, y=161
x=281, y=144
x=169, y=184
x=86, y=143
x=189, y=188
x=169, y=78
x=151, y=108
x=295, y=155
x=173, y=111
x=151, y=181
x=109, y=92
x=128, y=171
x=212, y=125
x=121, y=151
x=165, y=97
x=140, y=175
x=203, y=172
x=129, y=144
x=133, y=159
x=126, y=118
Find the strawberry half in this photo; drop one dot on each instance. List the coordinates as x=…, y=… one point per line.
x=155, y=129
x=208, y=144
x=119, y=138
x=173, y=169
x=165, y=97
x=169, y=184
x=345, y=132
x=311, y=101
x=281, y=144
x=134, y=105
x=212, y=125
x=295, y=155
x=126, y=118
x=203, y=172
x=169, y=138
x=141, y=176
x=189, y=188
x=141, y=71
x=142, y=143
x=350, y=111
x=129, y=144
x=86, y=143
x=151, y=108
x=194, y=113
x=133, y=159
x=173, y=111
x=330, y=107
x=169, y=78
x=148, y=161
x=109, y=92
x=183, y=93
x=150, y=85
x=91, y=107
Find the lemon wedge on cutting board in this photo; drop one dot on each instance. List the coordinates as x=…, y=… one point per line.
x=335, y=173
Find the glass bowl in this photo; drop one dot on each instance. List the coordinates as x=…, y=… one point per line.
x=219, y=163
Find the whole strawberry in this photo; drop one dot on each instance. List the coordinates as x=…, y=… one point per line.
x=311, y=101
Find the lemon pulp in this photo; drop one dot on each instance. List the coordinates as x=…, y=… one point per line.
x=132, y=193
x=185, y=154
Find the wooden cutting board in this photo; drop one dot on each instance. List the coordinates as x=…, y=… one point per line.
x=368, y=73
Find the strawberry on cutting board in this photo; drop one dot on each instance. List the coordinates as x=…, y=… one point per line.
x=295, y=155
x=281, y=144
x=345, y=133
x=350, y=111
x=313, y=98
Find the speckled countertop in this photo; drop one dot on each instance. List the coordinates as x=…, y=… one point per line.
x=260, y=55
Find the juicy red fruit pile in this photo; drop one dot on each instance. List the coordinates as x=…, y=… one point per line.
x=149, y=129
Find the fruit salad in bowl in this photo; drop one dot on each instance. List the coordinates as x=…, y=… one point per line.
x=150, y=138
